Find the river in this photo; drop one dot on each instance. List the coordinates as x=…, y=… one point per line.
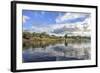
x=57, y=52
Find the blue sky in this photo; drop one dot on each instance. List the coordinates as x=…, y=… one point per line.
x=40, y=18
x=44, y=20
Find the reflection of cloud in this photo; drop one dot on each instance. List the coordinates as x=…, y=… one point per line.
x=43, y=12
x=25, y=18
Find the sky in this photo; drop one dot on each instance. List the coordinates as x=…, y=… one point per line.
x=51, y=21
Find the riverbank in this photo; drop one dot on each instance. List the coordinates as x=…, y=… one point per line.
x=38, y=39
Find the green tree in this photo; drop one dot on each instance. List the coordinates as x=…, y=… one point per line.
x=27, y=35
x=65, y=36
x=44, y=34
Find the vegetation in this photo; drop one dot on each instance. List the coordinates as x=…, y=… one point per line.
x=44, y=39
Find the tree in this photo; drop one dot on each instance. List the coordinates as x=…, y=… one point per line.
x=44, y=34
x=27, y=35
x=65, y=36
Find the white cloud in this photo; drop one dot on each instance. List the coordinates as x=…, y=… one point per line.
x=25, y=18
x=68, y=16
x=39, y=29
x=80, y=25
x=50, y=28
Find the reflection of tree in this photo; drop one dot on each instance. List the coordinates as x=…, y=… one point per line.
x=66, y=43
x=43, y=44
x=86, y=53
x=38, y=40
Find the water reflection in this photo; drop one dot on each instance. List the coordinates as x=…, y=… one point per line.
x=62, y=51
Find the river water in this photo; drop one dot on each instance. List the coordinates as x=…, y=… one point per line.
x=57, y=52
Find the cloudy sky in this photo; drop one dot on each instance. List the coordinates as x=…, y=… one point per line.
x=54, y=22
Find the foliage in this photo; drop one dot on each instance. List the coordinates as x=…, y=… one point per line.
x=33, y=38
x=65, y=36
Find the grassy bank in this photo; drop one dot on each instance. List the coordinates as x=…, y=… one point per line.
x=43, y=39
